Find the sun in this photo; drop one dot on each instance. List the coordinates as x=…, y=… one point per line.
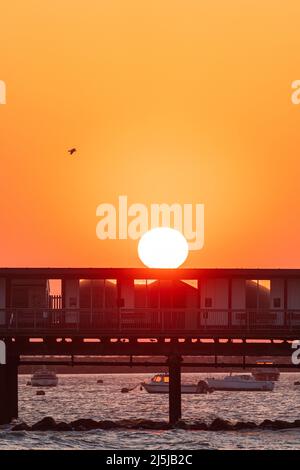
x=163, y=247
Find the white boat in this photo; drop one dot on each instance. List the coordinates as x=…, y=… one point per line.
x=160, y=384
x=240, y=383
x=266, y=373
x=44, y=378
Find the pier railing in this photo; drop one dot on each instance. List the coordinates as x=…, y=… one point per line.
x=139, y=320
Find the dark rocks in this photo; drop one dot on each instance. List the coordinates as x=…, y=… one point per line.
x=240, y=425
x=84, y=424
x=46, y=424
x=21, y=427
x=129, y=423
x=198, y=426
x=40, y=392
x=62, y=426
x=99, y=381
x=148, y=424
x=181, y=424
x=80, y=428
x=218, y=424
x=266, y=424
x=279, y=424
x=106, y=424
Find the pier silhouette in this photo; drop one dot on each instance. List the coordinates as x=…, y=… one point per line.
x=144, y=312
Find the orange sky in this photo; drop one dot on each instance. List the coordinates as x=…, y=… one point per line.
x=167, y=101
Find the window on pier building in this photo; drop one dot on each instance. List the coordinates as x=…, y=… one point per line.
x=29, y=293
x=54, y=294
x=111, y=293
x=146, y=293
x=166, y=293
x=258, y=294
x=185, y=294
x=277, y=302
x=97, y=293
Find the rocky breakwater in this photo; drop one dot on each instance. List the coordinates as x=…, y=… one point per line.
x=49, y=424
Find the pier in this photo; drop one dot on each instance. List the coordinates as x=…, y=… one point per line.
x=178, y=313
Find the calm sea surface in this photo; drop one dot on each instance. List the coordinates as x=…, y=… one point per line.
x=79, y=396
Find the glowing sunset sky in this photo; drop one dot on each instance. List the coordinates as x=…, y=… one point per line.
x=166, y=101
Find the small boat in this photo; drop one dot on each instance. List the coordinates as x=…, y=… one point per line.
x=240, y=383
x=160, y=384
x=44, y=378
x=266, y=373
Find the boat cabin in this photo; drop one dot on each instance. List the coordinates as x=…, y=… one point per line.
x=160, y=378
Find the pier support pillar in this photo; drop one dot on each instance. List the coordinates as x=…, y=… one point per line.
x=9, y=390
x=174, y=388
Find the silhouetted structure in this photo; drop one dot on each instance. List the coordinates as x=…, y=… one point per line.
x=117, y=311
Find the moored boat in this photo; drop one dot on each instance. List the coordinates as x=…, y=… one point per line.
x=240, y=383
x=44, y=378
x=160, y=384
x=266, y=371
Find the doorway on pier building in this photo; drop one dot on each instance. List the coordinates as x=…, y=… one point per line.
x=28, y=303
x=153, y=304
x=28, y=293
x=98, y=301
x=179, y=304
x=258, y=302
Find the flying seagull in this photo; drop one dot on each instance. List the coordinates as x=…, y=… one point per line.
x=71, y=151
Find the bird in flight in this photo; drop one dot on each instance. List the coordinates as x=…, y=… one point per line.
x=71, y=151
